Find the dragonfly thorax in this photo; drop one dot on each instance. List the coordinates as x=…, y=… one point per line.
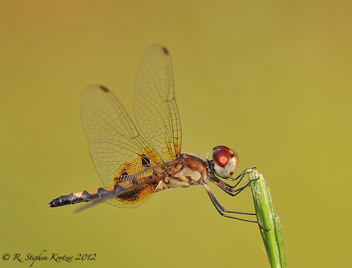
x=188, y=170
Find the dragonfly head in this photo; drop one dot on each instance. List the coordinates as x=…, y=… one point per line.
x=225, y=161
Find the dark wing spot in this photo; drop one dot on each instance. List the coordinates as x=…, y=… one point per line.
x=165, y=51
x=104, y=89
x=124, y=172
x=155, y=173
x=145, y=160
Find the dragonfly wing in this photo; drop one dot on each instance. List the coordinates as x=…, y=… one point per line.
x=130, y=198
x=155, y=104
x=135, y=197
x=116, y=147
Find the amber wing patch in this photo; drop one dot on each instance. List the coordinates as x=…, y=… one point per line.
x=135, y=197
x=137, y=164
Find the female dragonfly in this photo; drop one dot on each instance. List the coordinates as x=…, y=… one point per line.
x=134, y=166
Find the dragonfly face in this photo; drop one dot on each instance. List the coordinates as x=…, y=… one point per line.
x=135, y=163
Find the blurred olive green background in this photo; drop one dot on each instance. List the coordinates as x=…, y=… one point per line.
x=271, y=79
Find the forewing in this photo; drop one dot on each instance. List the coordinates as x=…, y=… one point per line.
x=155, y=104
x=116, y=147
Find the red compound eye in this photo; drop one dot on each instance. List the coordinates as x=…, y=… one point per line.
x=221, y=147
x=221, y=155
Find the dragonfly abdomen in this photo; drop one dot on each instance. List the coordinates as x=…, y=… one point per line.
x=84, y=196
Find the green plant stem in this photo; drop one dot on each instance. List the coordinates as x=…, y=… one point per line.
x=269, y=223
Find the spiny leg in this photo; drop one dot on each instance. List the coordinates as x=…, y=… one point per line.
x=246, y=171
x=239, y=178
x=224, y=186
x=229, y=189
x=222, y=210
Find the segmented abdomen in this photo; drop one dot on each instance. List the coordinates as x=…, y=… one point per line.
x=85, y=196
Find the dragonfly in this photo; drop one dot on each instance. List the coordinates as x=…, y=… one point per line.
x=133, y=163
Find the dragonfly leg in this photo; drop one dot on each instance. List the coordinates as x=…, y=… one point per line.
x=246, y=171
x=239, y=178
x=222, y=210
x=227, y=188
